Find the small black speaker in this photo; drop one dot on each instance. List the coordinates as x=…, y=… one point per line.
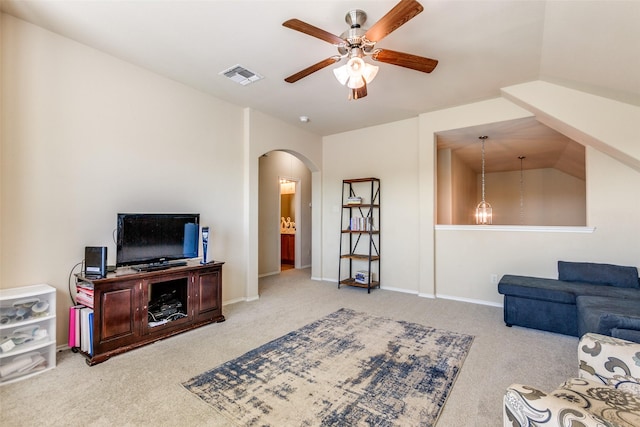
x=95, y=261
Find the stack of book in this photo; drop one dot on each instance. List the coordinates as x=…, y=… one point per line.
x=84, y=294
x=354, y=200
x=81, y=328
x=81, y=318
x=360, y=223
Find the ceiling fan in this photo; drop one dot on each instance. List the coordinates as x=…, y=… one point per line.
x=357, y=43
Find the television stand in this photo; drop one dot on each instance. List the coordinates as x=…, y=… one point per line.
x=132, y=309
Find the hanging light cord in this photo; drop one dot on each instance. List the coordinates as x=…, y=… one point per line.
x=482, y=138
x=521, y=191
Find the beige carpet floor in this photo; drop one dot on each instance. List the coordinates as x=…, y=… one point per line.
x=142, y=387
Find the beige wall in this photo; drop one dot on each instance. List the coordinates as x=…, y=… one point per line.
x=611, y=194
x=264, y=134
x=444, y=178
x=276, y=165
x=81, y=142
x=461, y=263
x=2, y=121
x=465, y=195
x=388, y=152
x=85, y=136
x=549, y=196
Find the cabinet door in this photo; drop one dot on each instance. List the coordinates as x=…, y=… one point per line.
x=287, y=248
x=116, y=315
x=208, y=295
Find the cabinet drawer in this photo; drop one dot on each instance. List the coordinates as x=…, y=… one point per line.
x=23, y=338
x=27, y=309
x=26, y=363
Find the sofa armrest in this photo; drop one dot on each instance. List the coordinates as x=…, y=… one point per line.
x=609, y=360
x=525, y=406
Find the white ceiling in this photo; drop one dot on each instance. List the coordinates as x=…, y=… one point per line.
x=481, y=47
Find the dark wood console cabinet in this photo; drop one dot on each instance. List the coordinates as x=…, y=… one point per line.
x=288, y=249
x=121, y=318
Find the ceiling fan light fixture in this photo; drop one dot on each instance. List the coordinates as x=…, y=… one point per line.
x=357, y=43
x=370, y=72
x=355, y=73
x=342, y=75
x=355, y=67
x=356, y=83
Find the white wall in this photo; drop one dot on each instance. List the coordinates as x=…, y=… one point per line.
x=262, y=135
x=613, y=203
x=85, y=136
x=460, y=263
x=549, y=197
x=2, y=120
x=490, y=111
x=388, y=152
x=276, y=165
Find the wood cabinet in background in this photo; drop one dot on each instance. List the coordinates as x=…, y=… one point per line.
x=288, y=249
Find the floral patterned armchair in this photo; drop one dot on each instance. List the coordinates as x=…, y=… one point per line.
x=606, y=394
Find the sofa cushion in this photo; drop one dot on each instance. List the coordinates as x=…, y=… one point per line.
x=536, y=288
x=603, y=315
x=626, y=334
x=559, y=291
x=603, y=274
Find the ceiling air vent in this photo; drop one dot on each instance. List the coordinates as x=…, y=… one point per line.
x=241, y=75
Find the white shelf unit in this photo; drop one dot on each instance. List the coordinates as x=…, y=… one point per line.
x=27, y=332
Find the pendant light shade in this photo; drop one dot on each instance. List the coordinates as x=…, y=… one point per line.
x=484, y=212
x=356, y=74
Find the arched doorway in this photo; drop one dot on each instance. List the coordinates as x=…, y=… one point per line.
x=277, y=170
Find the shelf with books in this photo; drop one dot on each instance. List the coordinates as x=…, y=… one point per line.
x=360, y=233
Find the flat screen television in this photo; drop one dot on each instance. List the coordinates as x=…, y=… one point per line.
x=156, y=240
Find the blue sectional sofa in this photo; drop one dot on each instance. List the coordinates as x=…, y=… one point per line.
x=586, y=297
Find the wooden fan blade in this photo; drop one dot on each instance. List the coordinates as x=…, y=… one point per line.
x=312, y=69
x=407, y=60
x=355, y=94
x=303, y=27
x=396, y=17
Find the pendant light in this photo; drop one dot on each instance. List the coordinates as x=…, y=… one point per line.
x=484, y=214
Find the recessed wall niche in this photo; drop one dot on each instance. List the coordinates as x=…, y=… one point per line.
x=533, y=175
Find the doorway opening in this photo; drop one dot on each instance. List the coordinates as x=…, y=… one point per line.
x=284, y=213
x=288, y=201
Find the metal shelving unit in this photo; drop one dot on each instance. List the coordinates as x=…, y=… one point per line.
x=359, y=263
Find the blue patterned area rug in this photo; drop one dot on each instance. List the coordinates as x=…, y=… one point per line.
x=346, y=369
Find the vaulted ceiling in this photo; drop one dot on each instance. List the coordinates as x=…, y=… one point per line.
x=481, y=47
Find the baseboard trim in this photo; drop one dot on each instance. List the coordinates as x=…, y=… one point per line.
x=469, y=300
x=237, y=300
x=404, y=291
x=432, y=296
x=273, y=273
